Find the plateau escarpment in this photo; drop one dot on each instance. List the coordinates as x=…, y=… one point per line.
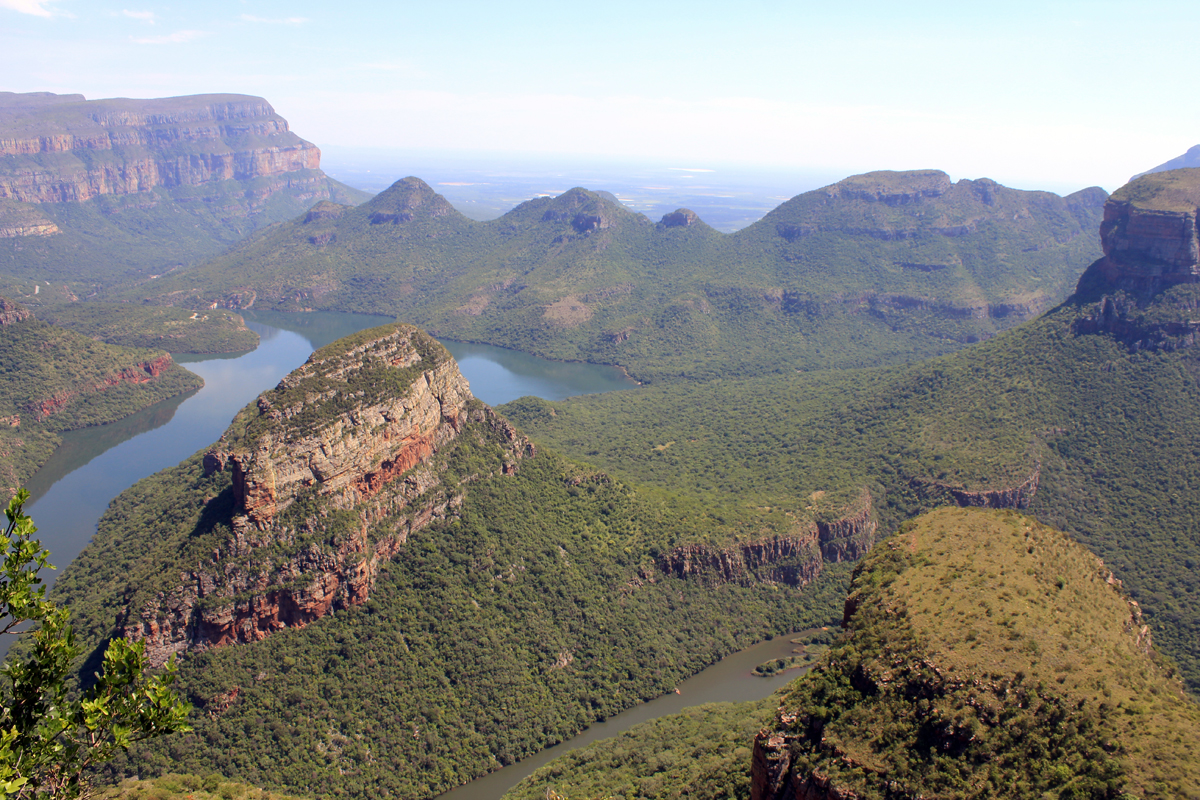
x=106, y=182
x=874, y=269
x=330, y=473
x=793, y=559
x=1145, y=290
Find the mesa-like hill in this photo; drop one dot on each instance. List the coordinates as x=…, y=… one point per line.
x=984, y=655
x=378, y=586
x=57, y=380
x=1087, y=417
x=101, y=192
x=878, y=268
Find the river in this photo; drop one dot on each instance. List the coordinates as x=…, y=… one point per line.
x=93, y=466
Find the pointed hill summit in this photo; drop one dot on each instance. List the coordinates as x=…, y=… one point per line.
x=876, y=269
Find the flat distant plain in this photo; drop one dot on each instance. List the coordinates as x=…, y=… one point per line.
x=485, y=186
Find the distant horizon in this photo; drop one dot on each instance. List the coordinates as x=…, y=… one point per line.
x=751, y=191
x=1056, y=96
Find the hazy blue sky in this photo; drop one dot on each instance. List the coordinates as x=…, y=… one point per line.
x=1057, y=95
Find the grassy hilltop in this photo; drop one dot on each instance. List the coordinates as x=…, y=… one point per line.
x=985, y=655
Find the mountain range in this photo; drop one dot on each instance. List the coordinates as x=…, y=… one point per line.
x=874, y=269
x=377, y=584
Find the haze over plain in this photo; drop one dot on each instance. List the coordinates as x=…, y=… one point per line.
x=1054, y=96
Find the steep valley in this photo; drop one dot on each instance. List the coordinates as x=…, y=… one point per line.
x=376, y=580
x=367, y=524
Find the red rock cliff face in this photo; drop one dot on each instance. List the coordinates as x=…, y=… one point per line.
x=142, y=372
x=794, y=559
x=376, y=458
x=77, y=150
x=1149, y=235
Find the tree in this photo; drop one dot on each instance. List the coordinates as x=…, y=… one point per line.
x=50, y=734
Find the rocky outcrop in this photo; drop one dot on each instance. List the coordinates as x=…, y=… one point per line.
x=11, y=313
x=1018, y=496
x=1150, y=237
x=75, y=150
x=357, y=435
x=794, y=559
x=679, y=218
x=142, y=372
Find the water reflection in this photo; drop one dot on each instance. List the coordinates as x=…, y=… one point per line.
x=498, y=375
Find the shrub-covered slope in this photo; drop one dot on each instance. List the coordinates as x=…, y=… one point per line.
x=57, y=380
x=985, y=656
x=879, y=268
x=1110, y=436
x=376, y=586
x=165, y=327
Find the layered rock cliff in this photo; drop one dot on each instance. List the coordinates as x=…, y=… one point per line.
x=1149, y=236
x=67, y=149
x=794, y=559
x=1145, y=290
x=329, y=474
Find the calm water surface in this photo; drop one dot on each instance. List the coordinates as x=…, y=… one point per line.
x=93, y=466
x=731, y=680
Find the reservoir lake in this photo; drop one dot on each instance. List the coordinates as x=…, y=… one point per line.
x=92, y=466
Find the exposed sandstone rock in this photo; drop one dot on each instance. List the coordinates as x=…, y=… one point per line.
x=357, y=429
x=1150, y=237
x=75, y=150
x=794, y=559
x=142, y=372
x=679, y=218
x=11, y=313
x=1018, y=496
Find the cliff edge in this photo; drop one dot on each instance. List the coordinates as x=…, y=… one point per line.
x=321, y=481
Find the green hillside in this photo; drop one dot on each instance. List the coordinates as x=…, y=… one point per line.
x=1116, y=434
x=989, y=656
x=985, y=655
x=173, y=329
x=57, y=380
x=519, y=596
x=877, y=269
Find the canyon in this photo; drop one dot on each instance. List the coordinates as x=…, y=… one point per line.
x=364, y=429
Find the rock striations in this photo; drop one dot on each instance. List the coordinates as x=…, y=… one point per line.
x=794, y=559
x=329, y=473
x=1145, y=290
x=63, y=148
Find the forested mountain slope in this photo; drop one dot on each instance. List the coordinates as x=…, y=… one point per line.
x=985, y=655
x=378, y=585
x=876, y=269
x=56, y=380
x=1088, y=416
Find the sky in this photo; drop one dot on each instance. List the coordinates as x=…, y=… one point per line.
x=1036, y=95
